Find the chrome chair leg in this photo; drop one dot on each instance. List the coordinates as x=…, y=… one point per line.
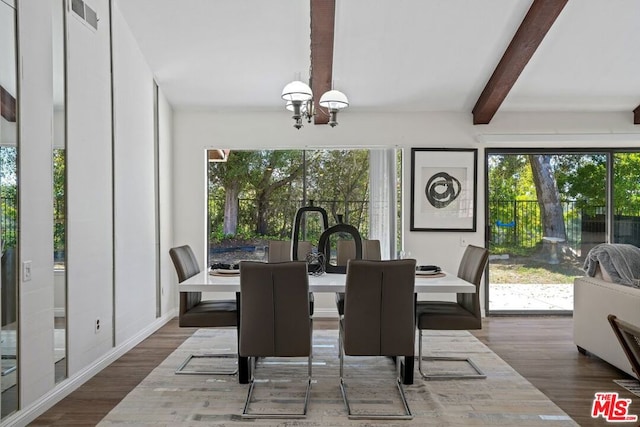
x=447, y=376
x=368, y=416
x=183, y=371
x=252, y=415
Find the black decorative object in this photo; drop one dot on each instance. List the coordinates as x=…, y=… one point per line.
x=443, y=189
x=324, y=245
x=298, y=221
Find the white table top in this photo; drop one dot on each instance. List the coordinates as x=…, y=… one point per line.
x=204, y=282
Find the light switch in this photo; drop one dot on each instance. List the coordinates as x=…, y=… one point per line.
x=26, y=271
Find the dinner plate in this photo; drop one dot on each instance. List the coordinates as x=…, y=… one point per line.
x=223, y=272
x=427, y=273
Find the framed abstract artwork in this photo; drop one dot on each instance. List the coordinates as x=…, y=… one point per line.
x=443, y=189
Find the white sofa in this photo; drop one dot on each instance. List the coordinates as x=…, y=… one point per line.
x=594, y=299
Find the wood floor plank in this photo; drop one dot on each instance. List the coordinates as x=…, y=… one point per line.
x=540, y=348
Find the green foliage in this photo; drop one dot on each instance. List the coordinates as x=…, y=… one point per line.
x=8, y=196
x=581, y=180
x=341, y=177
x=8, y=162
x=269, y=188
x=59, y=206
x=582, y=177
x=626, y=183
x=506, y=175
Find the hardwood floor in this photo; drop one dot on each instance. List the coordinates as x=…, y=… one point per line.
x=539, y=348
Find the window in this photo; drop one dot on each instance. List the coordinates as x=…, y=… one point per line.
x=253, y=196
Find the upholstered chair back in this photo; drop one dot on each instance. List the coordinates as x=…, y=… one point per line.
x=346, y=250
x=186, y=264
x=379, y=308
x=280, y=250
x=471, y=268
x=274, y=310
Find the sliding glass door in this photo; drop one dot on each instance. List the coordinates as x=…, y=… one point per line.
x=626, y=198
x=545, y=211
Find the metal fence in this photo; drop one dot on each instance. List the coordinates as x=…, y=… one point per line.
x=8, y=224
x=518, y=223
x=279, y=215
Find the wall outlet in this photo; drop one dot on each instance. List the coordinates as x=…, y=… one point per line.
x=26, y=271
x=97, y=325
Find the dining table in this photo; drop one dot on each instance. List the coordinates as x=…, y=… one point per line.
x=208, y=281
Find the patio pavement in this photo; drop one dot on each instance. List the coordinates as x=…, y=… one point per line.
x=531, y=297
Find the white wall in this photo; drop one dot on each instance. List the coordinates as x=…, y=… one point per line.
x=89, y=190
x=134, y=184
x=197, y=130
x=111, y=197
x=36, y=368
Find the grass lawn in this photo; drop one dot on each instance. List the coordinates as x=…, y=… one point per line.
x=531, y=270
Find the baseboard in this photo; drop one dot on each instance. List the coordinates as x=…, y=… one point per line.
x=26, y=415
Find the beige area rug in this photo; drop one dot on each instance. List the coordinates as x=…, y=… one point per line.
x=505, y=398
x=632, y=386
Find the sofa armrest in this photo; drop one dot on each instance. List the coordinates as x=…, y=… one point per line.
x=594, y=300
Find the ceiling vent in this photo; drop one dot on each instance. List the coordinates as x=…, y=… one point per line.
x=78, y=7
x=85, y=13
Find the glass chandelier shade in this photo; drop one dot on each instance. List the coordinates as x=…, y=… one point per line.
x=299, y=97
x=297, y=91
x=334, y=100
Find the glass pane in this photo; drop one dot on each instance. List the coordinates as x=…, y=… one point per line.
x=626, y=198
x=8, y=210
x=546, y=211
x=254, y=197
x=59, y=194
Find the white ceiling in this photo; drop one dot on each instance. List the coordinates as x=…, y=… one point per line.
x=389, y=55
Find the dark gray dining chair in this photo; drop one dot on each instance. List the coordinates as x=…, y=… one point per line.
x=280, y=251
x=198, y=313
x=378, y=319
x=346, y=250
x=462, y=314
x=274, y=320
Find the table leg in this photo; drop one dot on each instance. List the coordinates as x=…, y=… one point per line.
x=407, y=370
x=406, y=366
x=243, y=362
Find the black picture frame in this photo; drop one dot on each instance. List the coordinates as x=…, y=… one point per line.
x=443, y=189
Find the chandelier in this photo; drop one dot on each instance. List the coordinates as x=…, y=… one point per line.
x=299, y=98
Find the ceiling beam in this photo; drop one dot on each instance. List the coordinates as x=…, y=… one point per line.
x=636, y=116
x=7, y=105
x=323, y=16
x=535, y=25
